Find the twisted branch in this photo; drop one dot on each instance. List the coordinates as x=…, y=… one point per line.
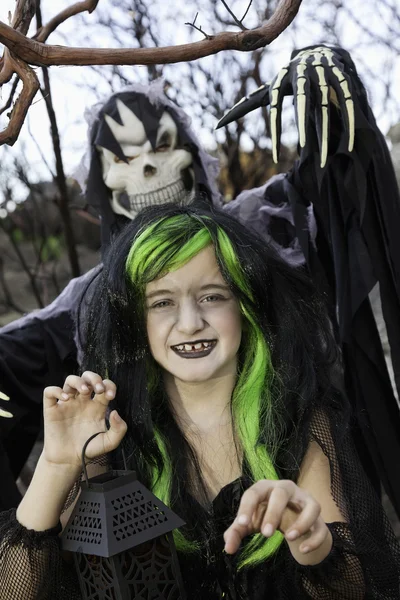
x=36, y=53
x=43, y=33
x=22, y=51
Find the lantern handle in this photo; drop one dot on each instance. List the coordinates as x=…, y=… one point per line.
x=84, y=453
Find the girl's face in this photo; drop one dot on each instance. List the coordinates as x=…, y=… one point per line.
x=193, y=321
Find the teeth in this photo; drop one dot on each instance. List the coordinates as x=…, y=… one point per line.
x=193, y=347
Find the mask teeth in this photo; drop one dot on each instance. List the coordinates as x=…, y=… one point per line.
x=175, y=191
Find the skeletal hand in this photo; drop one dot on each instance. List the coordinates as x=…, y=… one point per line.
x=74, y=413
x=318, y=70
x=268, y=506
x=5, y=413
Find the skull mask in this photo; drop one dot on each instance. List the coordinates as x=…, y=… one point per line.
x=146, y=172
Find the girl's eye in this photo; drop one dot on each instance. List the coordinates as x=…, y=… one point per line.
x=213, y=298
x=161, y=304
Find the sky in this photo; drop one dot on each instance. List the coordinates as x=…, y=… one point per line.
x=71, y=94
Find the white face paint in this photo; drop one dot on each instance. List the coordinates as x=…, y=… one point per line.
x=151, y=176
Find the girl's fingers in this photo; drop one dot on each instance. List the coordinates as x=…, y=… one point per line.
x=75, y=385
x=307, y=518
x=90, y=382
x=114, y=435
x=317, y=537
x=244, y=522
x=94, y=381
x=277, y=503
x=51, y=395
x=110, y=389
x=233, y=537
x=257, y=493
x=110, y=439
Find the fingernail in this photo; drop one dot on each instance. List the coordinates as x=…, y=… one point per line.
x=292, y=535
x=304, y=549
x=243, y=520
x=65, y=396
x=4, y=396
x=117, y=417
x=268, y=530
x=84, y=388
x=99, y=388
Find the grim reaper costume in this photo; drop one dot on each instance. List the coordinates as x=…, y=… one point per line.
x=335, y=211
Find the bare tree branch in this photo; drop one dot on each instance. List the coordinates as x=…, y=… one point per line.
x=22, y=51
x=79, y=7
x=30, y=86
x=36, y=53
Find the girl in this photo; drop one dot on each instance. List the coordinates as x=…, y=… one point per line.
x=218, y=361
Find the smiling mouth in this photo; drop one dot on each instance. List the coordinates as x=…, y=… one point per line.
x=196, y=349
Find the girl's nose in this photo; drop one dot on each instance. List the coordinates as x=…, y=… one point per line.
x=190, y=318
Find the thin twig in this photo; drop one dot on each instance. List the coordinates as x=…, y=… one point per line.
x=246, y=11
x=198, y=28
x=39, y=149
x=234, y=17
x=11, y=96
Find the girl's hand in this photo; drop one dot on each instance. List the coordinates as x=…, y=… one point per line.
x=75, y=412
x=270, y=505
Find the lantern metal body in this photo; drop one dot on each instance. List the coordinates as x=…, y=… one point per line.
x=120, y=534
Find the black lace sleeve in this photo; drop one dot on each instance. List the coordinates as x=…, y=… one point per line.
x=365, y=557
x=31, y=565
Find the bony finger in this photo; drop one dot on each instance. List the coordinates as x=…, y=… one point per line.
x=6, y=414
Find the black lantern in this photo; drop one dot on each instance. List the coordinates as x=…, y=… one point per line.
x=120, y=534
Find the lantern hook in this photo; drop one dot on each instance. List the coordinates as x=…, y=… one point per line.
x=84, y=453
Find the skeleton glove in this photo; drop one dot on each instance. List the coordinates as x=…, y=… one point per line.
x=314, y=76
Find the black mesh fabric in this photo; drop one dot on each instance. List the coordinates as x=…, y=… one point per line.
x=364, y=561
x=31, y=563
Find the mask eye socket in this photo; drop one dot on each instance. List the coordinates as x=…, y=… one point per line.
x=164, y=143
x=163, y=148
x=119, y=160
